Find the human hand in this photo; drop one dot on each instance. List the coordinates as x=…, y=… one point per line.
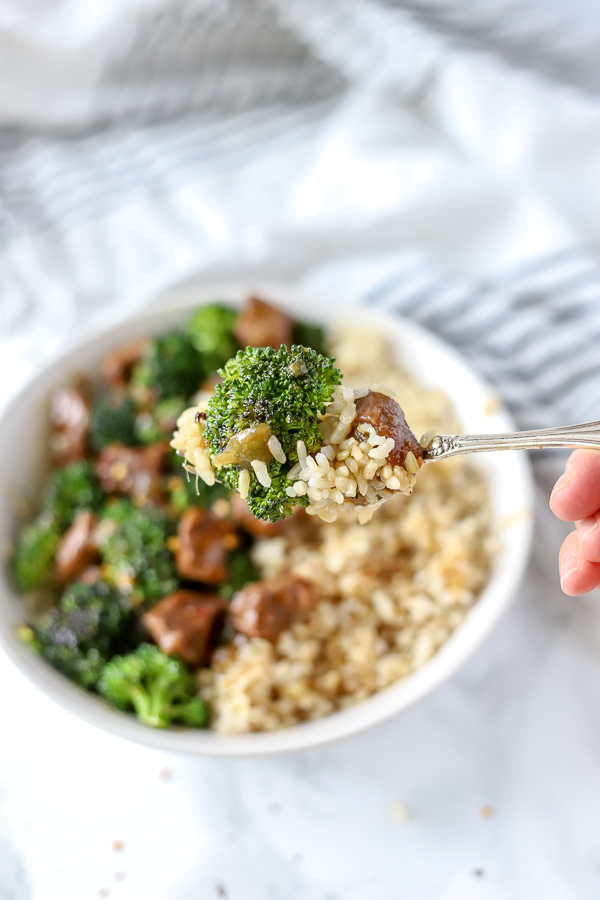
x=576, y=498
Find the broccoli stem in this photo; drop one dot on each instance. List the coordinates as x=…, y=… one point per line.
x=148, y=707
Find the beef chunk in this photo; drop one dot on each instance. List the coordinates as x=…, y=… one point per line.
x=186, y=624
x=387, y=418
x=131, y=470
x=266, y=608
x=204, y=540
x=261, y=325
x=118, y=365
x=77, y=549
x=90, y=575
x=69, y=422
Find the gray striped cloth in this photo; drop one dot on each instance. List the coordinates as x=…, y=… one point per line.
x=533, y=332
x=210, y=90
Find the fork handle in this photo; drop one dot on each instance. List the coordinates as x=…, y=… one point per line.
x=569, y=436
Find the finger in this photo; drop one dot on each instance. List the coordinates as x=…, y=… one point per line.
x=576, y=494
x=577, y=575
x=588, y=537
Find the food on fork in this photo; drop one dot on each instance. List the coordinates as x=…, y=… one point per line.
x=283, y=431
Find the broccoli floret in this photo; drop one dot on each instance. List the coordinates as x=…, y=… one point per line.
x=136, y=553
x=113, y=421
x=184, y=493
x=211, y=331
x=158, y=688
x=309, y=335
x=286, y=389
x=83, y=631
x=240, y=572
x=158, y=424
x=273, y=503
x=70, y=489
x=171, y=366
x=33, y=560
x=26, y=635
x=282, y=391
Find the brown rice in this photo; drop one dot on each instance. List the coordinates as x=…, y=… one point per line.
x=391, y=592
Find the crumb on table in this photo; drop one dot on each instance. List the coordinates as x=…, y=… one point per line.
x=398, y=811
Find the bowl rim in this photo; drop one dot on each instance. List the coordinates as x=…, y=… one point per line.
x=379, y=707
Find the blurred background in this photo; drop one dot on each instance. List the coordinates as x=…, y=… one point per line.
x=432, y=157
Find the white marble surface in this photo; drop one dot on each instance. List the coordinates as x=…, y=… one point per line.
x=517, y=730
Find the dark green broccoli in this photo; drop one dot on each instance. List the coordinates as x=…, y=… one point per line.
x=240, y=572
x=159, y=423
x=113, y=421
x=309, y=335
x=286, y=389
x=268, y=392
x=211, y=331
x=184, y=493
x=70, y=489
x=171, y=366
x=158, y=688
x=273, y=503
x=136, y=553
x=84, y=630
x=33, y=560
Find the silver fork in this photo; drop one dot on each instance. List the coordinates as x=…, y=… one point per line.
x=569, y=436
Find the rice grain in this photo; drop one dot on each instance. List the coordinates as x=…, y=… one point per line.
x=261, y=472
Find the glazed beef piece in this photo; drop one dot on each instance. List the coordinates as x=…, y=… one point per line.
x=118, y=365
x=133, y=471
x=387, y=418
x=69, y=423
x=186, y=624
x=266, y=608
x=77, y=549
x=203, y=543
x=261, y=325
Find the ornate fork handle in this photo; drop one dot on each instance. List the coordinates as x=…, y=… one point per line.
x=569, y=436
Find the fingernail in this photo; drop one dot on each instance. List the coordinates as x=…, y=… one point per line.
x=568, y=565
x=583, y=538
x=562, y=482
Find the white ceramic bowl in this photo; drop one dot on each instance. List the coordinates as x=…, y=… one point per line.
x=22, y=442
